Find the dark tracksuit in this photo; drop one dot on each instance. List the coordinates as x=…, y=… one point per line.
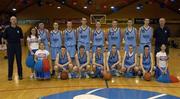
x=161, y=36
x=13, y=37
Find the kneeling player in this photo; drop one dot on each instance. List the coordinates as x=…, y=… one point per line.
x=63, y=61
x=82, y=61
x=113, y=59
x=146, y=61
x=129, y=62
x=98, y=62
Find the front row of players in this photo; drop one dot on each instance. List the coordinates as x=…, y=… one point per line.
x=86, y=67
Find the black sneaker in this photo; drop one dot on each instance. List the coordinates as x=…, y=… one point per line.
x=20, y=77
x=5, y=57
x=53, y=73
x=10, y=79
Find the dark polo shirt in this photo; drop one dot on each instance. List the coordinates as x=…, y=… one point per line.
x=161, y=35
x=13, y=35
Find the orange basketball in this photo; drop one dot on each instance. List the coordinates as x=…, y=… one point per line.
x=64, y=75
x=147, y=76
x=107, y=76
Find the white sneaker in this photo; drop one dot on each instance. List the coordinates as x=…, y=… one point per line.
x=58, y=77
x=69, y=75
x=87, y=76
x=32, y=76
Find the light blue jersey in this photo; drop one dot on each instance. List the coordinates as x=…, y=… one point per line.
x=82, y=59
x=63, y=59
x=99, y=59
x=129, y=60
x=130, y=38
x=145, y=38
x=56, y=42
x=113, y=59
x=43, y=34
x=84, y=37
x=114, y=37
x=98, y=39
x=146, y=61
x=70, y=41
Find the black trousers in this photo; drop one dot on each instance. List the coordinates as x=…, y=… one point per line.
x=157, y=49
x=12, y=51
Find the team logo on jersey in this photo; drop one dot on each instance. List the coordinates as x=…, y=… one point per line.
x=18, y=31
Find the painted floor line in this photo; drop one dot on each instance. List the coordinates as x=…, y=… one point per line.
x=92, y=91
x=157, y=96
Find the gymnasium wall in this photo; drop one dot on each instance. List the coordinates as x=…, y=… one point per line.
x=149, y=11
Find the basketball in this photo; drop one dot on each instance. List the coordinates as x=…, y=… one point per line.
x=64, y=75
x=107, y=75
x=46, y=65
x=147, y=76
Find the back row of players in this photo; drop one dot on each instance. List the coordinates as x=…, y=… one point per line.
x=63, y=44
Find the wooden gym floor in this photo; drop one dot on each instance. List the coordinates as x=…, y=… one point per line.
x=32, y=89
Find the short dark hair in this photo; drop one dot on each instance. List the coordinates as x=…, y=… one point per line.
x=113, y=45
x=63, y=46
x=98, y=47
x=82, y=46
x=115, y=20
x=130, y=45
x=146, y=46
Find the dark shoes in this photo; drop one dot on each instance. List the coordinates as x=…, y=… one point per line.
x=10, y=78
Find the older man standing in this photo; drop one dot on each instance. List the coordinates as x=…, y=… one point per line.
x=161, y=35
x=13, y=36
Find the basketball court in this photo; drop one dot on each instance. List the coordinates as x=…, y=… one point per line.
x=31, y=12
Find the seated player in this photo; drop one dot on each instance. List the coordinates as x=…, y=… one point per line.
x=130, y=61
x=146, y=61
x=113, y=59
x=82, y=61
x=162, y=62
x=41, y=54
x=98, y=62
x=63, y=61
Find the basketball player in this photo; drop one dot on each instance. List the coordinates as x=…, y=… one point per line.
x=63, y=61
x=98, y=37
x=55, y=44
x=82, y=60
x=145, y=34
x=70, y=39
x=114, y=36
x=130, y=35
x=146, y=61
x=44, y=35
x=113, y=59
x=84, y=33
x=130, y=61
x=98, y=62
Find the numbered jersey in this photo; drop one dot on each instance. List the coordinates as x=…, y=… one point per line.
x=145, y=34
x=69, y=37
x=43, y=34
x=84, y=34
x=99, y=59
x=130, y=36
x=55, y=38
x=98, y=38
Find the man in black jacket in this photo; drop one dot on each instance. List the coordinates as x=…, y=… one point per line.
x=13, y=36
